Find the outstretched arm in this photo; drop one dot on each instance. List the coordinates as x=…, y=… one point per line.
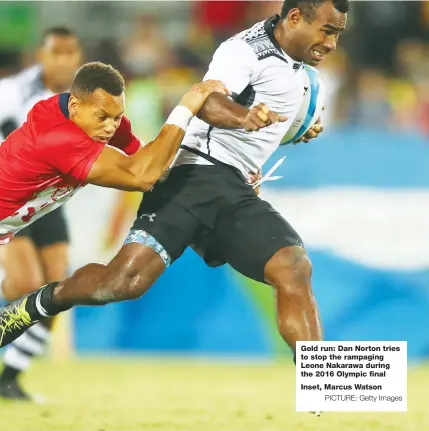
x=140, y=171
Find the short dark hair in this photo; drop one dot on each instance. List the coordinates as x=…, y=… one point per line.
x=94, y=75
x=58, y=31
x=308, y=8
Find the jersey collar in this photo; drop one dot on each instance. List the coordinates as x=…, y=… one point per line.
x=63, y=101
x=269, y=29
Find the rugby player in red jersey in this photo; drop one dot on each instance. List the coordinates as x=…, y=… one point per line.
x=83, y=137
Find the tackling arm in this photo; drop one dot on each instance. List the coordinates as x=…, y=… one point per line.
x=142, y=170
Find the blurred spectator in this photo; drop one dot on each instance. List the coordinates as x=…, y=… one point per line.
x=404, y=102
x=333, y=72
x=108, y=51
x=146, y=52
x=423, y=114
x=378, y=76
x=412, y=60
x=223, y=18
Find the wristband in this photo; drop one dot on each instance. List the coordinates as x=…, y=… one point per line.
x=180, y=116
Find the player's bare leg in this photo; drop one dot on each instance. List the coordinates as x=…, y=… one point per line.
x=23, y=275
x=26, y=269
x=128, y=276
x=54, y=260
x=289, y=272
x=22, y=267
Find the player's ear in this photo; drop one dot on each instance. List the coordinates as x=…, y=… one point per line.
x=73, y=105
x=294, y=17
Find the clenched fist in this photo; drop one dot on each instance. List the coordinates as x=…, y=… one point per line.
x=260, y=116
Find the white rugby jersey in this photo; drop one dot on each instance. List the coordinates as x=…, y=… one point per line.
x=19, y=93
x=256, y=70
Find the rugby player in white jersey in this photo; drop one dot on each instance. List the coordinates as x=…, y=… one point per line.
x=205, y=201
x=39, y=253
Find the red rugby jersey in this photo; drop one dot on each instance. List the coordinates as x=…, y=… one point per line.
x=46, y=160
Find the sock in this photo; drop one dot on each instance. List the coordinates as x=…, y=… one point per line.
x=40, y=304
x=19, y=354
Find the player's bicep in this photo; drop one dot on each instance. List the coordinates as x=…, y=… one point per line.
x=235, y=64
x=112, y=169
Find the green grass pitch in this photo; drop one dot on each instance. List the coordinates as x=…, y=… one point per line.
x=160, y=395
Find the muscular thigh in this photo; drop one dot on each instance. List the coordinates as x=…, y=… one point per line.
x=162, y=224
x=249, y=235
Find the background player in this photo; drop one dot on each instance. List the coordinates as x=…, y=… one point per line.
x=39, y=253
x=205, y=201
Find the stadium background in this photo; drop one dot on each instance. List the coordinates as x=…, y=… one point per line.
x=359, y=195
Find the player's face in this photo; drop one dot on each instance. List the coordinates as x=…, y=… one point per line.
x=60, y=57
x=313, y=40
x=98, y=115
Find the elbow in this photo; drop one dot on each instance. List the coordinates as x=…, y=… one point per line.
x=146, y=186
x=142, y=185
x=145, y=183
x=145, y=177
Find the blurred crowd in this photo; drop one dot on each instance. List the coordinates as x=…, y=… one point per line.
x=377, y=77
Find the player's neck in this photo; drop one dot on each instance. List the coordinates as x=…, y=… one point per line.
x=284, y=41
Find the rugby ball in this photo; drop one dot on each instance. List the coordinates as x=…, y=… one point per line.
x=311, y=106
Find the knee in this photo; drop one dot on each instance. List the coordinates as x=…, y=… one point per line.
x=122, y=284
x=290, y=269
x=131, y=285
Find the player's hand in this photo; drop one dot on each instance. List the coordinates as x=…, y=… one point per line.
x=195, y=98
x=261, y=116
x=312, y=133
x=255, y=178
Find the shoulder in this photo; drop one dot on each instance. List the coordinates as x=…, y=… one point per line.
x=257, y=39
x=21, y=80
x=235, y=50
x=28, y=75
x=9, y=88
x=260, y=39
x=14, y=89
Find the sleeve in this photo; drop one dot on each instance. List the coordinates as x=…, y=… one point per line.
x=68, y=151
x=235, y=64
x=124, y=140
